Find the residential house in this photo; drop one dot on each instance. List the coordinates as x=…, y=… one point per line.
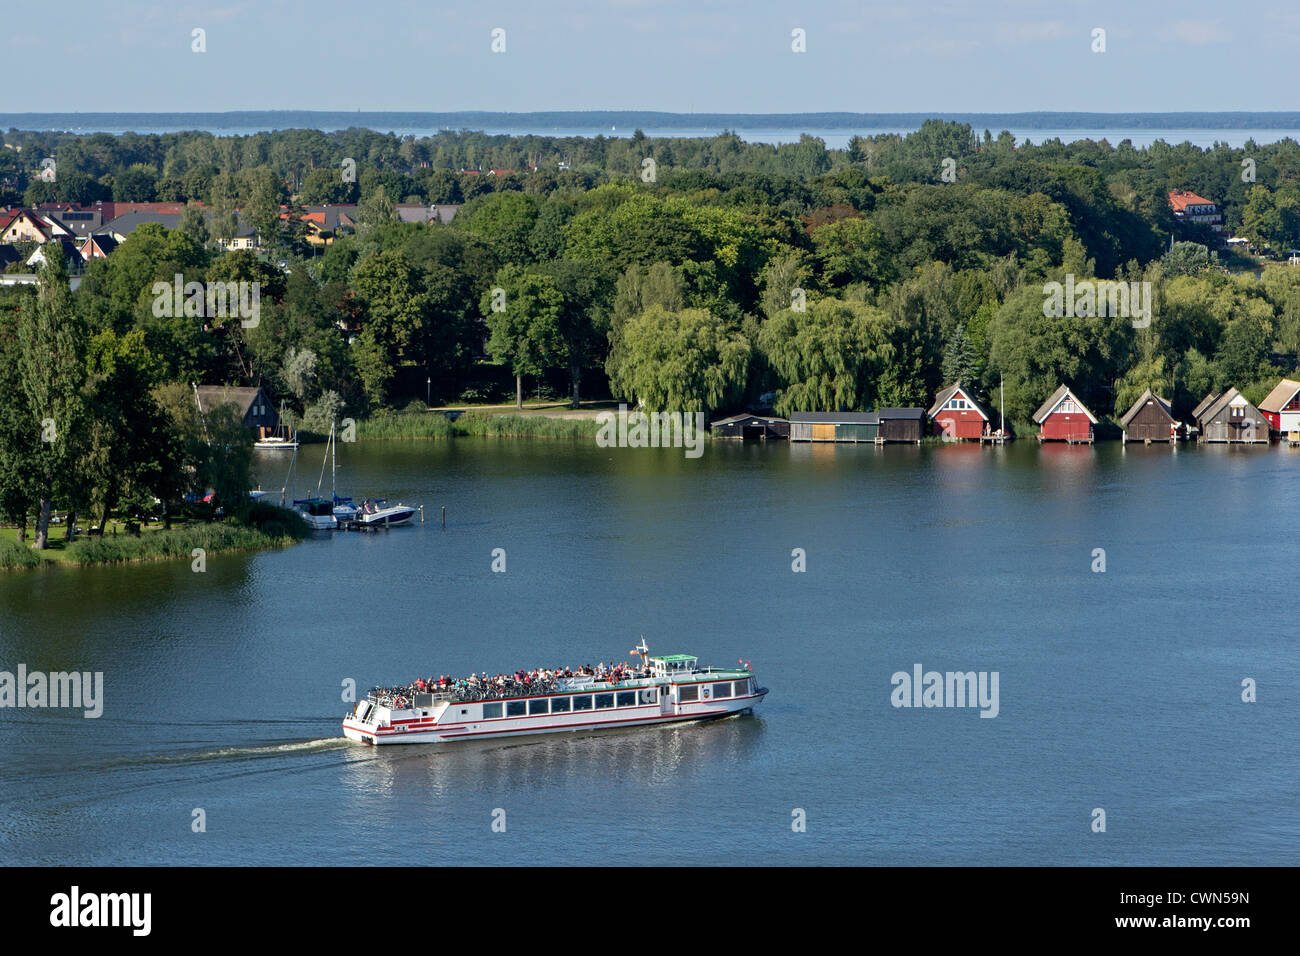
x=1189, y=207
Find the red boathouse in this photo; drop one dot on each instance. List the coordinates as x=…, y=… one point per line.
x=955, y=414
x=1064, y=418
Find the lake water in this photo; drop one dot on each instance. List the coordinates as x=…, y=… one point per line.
x=834, y=137
x=1119, y=690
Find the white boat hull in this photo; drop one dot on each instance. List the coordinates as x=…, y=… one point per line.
x=441, y=724
x=391, y=518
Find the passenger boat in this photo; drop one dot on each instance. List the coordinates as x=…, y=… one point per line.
x=662, y=690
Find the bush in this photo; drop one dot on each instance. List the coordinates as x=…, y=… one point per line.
x=15, y=555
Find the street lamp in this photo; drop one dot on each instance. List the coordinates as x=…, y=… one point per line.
x=428, y=390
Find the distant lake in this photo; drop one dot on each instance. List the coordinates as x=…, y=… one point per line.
x=1118, y=689
x=836, y=138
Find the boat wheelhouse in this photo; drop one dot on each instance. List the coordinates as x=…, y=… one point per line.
x=667, y=689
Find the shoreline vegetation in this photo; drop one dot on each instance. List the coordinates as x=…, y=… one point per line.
x=463, y=268
x=266, y=526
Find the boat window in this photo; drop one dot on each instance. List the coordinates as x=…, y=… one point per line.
x=722, y=690
x=491, y=710
x=688, y=693
x=559, y=704
x=648, y=696
x=582, y=703
x=539, y=705
x=604, y=700
x=742, y=687
x=516, y=708
x=627, y=698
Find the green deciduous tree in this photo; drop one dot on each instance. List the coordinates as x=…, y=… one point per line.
x=681, y=361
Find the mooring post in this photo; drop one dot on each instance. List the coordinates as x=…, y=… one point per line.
x=444, y=517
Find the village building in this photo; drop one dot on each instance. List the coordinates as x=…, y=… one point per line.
x=956, y=414
x=749, y=427
x=71, y=254
x=1150, y=419
x=1229, y=417
x=1189, y=207
x=1282, y=407
x=1064, y=418
x=253, y=405
x=835, y=426
x=97, y=246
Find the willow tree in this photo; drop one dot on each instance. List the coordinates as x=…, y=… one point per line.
x=826, y=357
x=686, y=361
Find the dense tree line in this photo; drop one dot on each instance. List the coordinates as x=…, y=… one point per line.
x=830, y=279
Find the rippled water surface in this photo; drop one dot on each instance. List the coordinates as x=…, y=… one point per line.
x=1118, y=690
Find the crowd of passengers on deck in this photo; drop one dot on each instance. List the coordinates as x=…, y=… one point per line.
x=522, y=680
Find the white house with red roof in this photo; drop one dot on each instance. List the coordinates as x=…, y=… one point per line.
x=1189, y=207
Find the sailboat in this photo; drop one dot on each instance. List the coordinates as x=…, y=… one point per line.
x=283, y=436
x=316, y=511
x=344, y=509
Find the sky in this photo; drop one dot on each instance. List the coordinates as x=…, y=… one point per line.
x=671, y=55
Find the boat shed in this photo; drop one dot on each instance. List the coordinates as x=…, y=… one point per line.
x=835, y=426
x=956, y=415
x=1228, y=417
x=902, y=424
x=1064, y=418
x=1150, y=419
x=747, y=426
x=1282, y=407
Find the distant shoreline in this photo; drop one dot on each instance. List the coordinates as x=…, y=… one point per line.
x=629, y=119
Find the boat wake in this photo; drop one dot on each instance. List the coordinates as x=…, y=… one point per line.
x=266, y=750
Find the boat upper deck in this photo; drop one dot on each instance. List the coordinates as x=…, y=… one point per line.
x=674, y=668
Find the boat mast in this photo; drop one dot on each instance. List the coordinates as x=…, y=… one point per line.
x=1002, y=386
x=334, y=496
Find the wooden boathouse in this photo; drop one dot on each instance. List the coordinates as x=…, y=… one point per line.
x=1151, y=419
x=1064, y=418
x=902, y=424
x=1282, y=409
x=956, y=415
x=751, y=427
x=835, y=426
x=1227, y=417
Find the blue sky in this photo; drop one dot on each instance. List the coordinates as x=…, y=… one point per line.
x=674, y=55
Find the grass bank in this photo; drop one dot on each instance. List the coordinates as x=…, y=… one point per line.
x=435, y=425
x=266, y=526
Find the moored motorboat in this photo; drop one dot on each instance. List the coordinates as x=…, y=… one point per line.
x=317, y=512
x=661, y=690
x=377, y=512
